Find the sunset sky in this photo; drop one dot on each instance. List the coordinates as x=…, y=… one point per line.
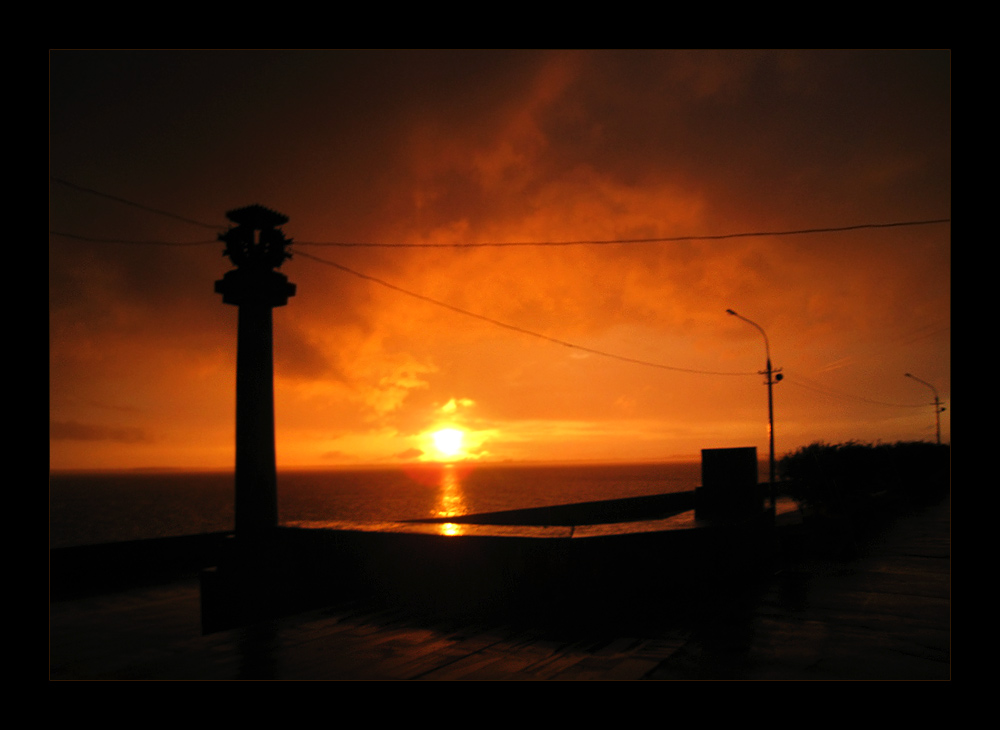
x=453, y=148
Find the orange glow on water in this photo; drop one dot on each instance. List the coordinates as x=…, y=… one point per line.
x=451, y=499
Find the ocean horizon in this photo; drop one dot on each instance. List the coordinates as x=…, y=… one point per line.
x=93, y=507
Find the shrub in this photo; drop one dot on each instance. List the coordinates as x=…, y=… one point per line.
x=844, y=478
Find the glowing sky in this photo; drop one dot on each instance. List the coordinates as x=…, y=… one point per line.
x=527, y=146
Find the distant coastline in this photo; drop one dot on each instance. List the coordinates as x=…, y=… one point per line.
x=385, y=466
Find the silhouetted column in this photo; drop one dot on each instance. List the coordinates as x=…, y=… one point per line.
x=257, y=247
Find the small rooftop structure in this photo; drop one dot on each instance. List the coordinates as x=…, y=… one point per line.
x=257, y=216
x=256, y=241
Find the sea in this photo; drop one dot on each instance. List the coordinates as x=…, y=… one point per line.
x=88, y=508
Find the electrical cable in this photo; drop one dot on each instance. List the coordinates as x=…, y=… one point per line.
x=499, y=244
x=597, y=242
x=512, y=327
x=490, y=320
x=797, y=380
x=93, y=239
x=135, y=205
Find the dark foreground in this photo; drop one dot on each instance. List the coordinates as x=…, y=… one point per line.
x=883, y=614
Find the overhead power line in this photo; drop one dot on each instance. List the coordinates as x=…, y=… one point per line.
x=512, y=327
x=798, y=381
x=607, y=242
x=505, y=244
x=487, y=244
x=93, y=239
x=81, y=188
x=490, y=320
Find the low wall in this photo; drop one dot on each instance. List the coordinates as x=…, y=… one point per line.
x=473, y=577
x=94, y=569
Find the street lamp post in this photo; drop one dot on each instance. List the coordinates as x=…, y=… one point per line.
x=937, y=404
x=773, y=376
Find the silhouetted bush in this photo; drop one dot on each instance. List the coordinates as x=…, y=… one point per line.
x=848, y=489
x=844, y=479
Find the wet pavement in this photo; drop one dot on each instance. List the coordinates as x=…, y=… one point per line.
x=883, y=615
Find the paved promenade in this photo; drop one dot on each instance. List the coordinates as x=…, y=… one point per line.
x=884, y=615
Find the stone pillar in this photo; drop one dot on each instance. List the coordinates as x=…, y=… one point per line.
x=256, y=246
x=729, y=486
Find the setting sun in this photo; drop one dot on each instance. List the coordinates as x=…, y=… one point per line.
x=448, y=441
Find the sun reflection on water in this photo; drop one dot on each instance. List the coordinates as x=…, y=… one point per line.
x=451, y=529
x=451, y=499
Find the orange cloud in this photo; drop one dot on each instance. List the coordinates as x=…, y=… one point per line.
x=472, y=147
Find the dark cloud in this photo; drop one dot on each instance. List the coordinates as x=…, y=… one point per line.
x=73, y=431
